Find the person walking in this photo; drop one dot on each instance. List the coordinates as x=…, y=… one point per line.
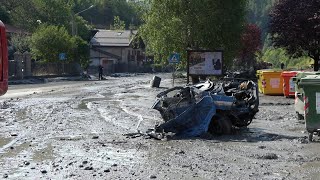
x=100, y=68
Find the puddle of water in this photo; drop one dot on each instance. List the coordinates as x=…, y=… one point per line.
x=4, y=141
x=83, y=105
x=44, y=154
x=135, y=96
x=14, y=152
x=84, y=102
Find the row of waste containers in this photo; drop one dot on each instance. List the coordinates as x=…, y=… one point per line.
x=304, y=86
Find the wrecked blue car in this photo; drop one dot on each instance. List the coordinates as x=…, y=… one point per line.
x=210, y=107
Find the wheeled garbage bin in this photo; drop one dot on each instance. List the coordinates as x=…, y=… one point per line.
x=311, y=90
x=299, y=100
x=270, y=82
x=288, y=84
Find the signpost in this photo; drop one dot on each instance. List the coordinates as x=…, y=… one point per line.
x=174, y=59
x=62, y=57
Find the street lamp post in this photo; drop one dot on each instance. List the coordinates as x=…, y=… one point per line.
x=74, y=29
x=73, y=22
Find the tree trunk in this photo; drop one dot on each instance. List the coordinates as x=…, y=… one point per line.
x=316, y=63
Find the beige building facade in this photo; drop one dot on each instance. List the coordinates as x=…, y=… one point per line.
x=116, y=51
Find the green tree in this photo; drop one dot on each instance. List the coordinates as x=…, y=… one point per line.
x=22, y=13
x=4, y=15
x=175, y=25
x=295, y=27
x=258, y=13
x=276, y=56
x=82, y=55
x=47, y=42
x=118, y=24
x=21, y=42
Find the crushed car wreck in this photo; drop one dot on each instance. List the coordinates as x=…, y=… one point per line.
x=214, y=107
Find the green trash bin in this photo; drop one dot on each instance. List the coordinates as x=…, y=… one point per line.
x=311, y=95
x=299, y=101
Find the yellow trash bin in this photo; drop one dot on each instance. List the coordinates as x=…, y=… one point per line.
x=270, y=82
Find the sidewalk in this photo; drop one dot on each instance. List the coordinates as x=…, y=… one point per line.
x=42, y=80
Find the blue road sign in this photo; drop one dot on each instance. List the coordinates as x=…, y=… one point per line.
x=174, y=58
x=62, y=56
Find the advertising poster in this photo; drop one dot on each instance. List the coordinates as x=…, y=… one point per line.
x=205, y=62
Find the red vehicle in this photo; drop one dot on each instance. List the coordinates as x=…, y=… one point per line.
x=3, y=60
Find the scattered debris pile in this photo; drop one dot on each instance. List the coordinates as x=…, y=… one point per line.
x=214, y=107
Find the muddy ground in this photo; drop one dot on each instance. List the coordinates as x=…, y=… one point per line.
x=74, y=130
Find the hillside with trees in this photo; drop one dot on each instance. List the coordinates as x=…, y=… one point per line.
x=65, y=22
x=166, y=26
x=259, y=14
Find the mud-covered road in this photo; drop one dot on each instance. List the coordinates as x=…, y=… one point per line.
x=74, y=130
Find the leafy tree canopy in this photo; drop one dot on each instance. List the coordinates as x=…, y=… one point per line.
x=118, y=24
x=4, y=15
x=49, y=41
x=276, y=56
x=20, y=42
x=295, y=27
x=175, y=25
x=258, y=13
x=250, y=45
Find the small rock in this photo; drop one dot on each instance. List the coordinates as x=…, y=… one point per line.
x=180, y=152
x=84, y=162
x=114, y=165
x=80, y=166
x=43, y=171
x=153, y=177
x=95, y=137
x=107, y=170
x=14, y=134
x=26, y=163
x=11, y=147
x=269, y=156
x=261, y=147
x=88, y=168
x=5, y=176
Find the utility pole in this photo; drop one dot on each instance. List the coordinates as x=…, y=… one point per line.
x=74, y=28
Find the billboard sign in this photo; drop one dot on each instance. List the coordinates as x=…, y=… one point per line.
x=205, y=62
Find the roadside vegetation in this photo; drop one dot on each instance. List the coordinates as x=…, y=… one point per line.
x=249, y=31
